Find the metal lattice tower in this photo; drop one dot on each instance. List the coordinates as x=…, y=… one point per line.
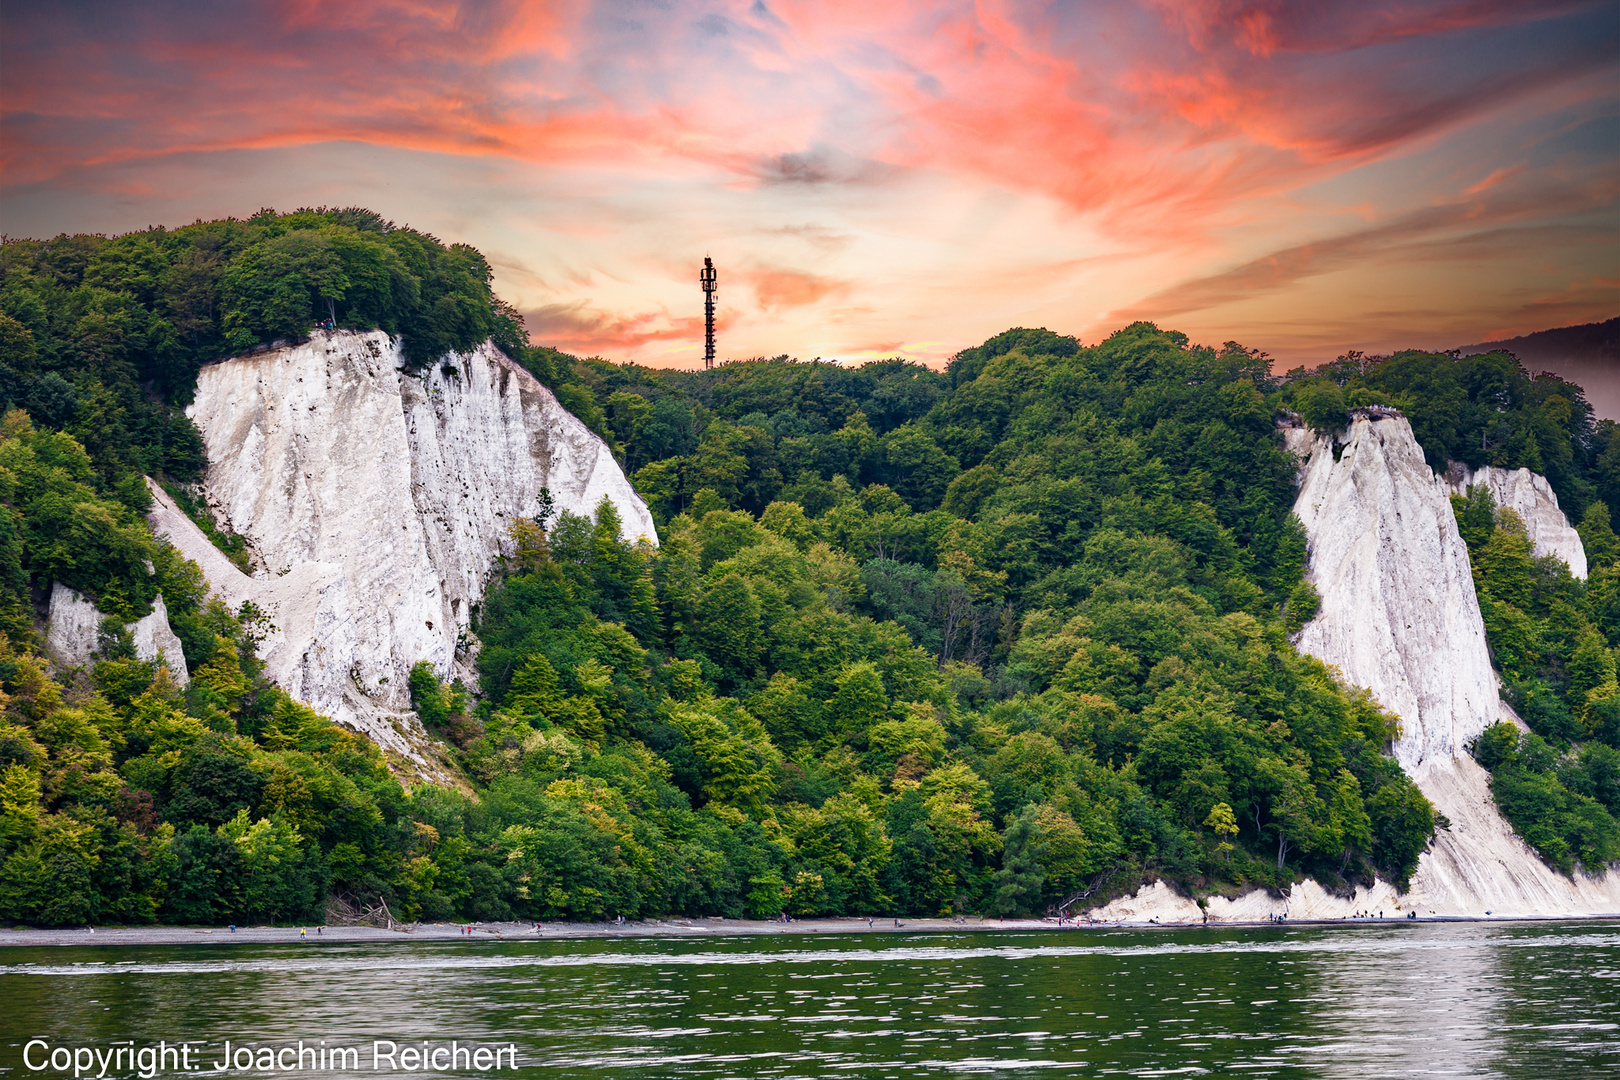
x=710, y=285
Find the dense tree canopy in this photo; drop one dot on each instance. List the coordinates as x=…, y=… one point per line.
x=101, y=340
x=1479, y=410
x=989, y=639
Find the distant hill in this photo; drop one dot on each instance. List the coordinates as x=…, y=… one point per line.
x=1586, y=355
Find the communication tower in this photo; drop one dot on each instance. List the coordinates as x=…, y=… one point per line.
x=710, y=284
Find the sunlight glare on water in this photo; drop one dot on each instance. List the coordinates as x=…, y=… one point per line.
x=1510, y=1000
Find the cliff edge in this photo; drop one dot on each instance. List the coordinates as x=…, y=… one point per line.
x=374, y=502
x=1399, y=616
x=1530, y=496
x=1397, y=591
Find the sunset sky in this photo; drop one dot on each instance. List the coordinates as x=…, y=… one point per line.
x=875, y=179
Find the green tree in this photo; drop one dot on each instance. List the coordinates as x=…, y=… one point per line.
x=429, y=697
x=1322, y=406
x=728, y=626
x=1021, y=879
x=1224, y=823
x=736, y=754
x=859, y=702
x=272, y=289
x=1597, y=535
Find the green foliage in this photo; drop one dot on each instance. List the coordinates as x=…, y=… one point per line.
x=1029, y=618
x=1550, y=636
x=103, y=337
x=1019, y=883
x=1480, y=410
x=1549, y=633
x=1224, y=823
x=1322, y=406
x=913, y=642
x=434, y=702
x=141, y=803
x=55, y=526
x=1563, y=805
x=1301, y=606
x=1598, y=538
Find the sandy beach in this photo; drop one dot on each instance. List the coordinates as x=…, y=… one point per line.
x=510, y=931
x=665, y=928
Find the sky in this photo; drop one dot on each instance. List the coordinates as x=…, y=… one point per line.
x=903, y=178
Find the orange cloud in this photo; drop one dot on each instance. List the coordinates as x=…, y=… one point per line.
x=779, y=288
x=968, y=163
x=578, y=327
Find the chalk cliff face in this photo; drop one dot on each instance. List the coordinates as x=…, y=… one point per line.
x=374, y=502
x=1399, y=615
x=1533, y=499
x=73, y=628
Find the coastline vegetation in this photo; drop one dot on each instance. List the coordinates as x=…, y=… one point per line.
x=914, y=642
x=1559, y=781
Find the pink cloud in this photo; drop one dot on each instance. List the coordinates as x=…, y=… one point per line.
x=1190, y=131
x=776, y=288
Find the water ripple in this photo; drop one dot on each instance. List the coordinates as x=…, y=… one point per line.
x=1523, y=1000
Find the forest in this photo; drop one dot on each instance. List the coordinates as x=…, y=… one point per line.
x=993, y=639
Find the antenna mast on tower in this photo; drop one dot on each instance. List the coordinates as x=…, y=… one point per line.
x=707, y=277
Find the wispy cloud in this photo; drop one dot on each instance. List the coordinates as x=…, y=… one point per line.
x=1471, y=230
x=939, y=170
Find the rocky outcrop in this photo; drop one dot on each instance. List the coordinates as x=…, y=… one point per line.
x=1530, y=496
x=1399, y=616
x=374, y=502
x=73, y=631
x=484, y=437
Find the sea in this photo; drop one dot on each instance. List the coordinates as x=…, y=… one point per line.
x=1533, y=1000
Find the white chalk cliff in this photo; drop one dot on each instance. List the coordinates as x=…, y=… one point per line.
x=73, y=630
x=1397, y=592
x=373, y=502
x=1399, y=616
x=1530, y=496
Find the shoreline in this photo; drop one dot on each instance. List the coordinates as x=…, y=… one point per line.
x=127, y=936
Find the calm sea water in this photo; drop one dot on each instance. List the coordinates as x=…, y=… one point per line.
x=1513, y=1000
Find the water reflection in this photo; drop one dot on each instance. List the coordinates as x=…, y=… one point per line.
x=1414, y=1001
x=1410, y=1000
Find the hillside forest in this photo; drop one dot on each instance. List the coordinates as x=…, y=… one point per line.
x=1002, y=638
